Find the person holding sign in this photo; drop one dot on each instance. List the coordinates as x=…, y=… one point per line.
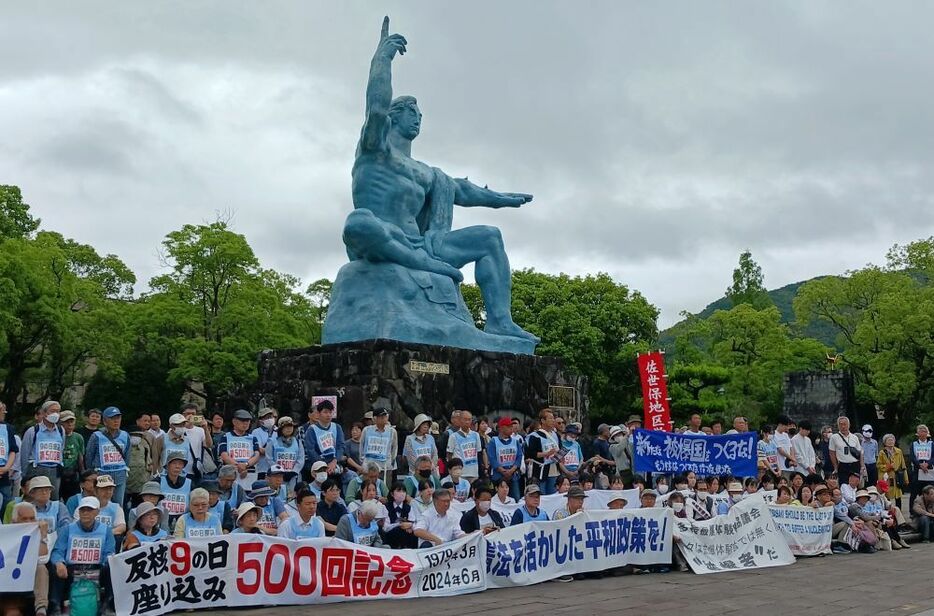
x=109, y=451
x=379, y=443
x=240, y=448
x=81, y=546
x=43, y=446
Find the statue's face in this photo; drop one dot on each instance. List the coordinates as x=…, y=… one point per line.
x=408, y=121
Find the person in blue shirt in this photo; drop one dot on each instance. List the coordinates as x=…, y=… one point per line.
x=108, y=450
x=572, y=460
x=42, y=449
x=81, y=545
x=531, y=510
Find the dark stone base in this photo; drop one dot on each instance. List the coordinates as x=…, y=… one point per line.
x=361, y=373
x=819, y=396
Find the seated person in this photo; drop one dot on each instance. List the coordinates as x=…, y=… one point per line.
x=360, y=527
x=147, y=527
x=437, y=525
x=199, y=521
x=531, y=510
x=330, y=508
x=482, y=517
x=248, y=514
x=304, y=524
x=83, y=546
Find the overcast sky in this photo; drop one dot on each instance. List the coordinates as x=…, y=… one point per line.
x=659, y=139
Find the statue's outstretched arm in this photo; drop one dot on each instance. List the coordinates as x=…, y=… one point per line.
x=469, y=194
x=379, y=88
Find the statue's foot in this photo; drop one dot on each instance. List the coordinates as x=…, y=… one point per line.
x=510, y=329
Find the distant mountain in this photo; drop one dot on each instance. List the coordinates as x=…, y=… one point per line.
x=782, y=298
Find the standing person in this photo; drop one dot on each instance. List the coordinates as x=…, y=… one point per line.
x=870, y=448
x=72, y=457
x=217, y=425
x=239, y=448
x=8, y=452
x=264, y=430
x=922, y=473
x=420, y=443
x=155, y=426
x=199, y=434
x=694, y=426
x=109, y=451
x=41, y=452
x=324, y=442
x=505, y=454
x=805, y=456
x=286, y=451
x=740, y=425
x=92, y=423
x=379, y=443
x=176, y=441
x=621, y=450
x=465, y=445
x=572, y=460
x=891, y=463
x=352, y=448
x=845, y=451
x=767, y=452
x=142, y=464
x=786, y=455
x=453, y=427
x=823, y=452
x=542, y=452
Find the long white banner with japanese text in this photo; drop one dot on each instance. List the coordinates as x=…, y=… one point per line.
x=746, y=537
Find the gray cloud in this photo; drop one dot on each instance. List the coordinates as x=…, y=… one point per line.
x=659, y=140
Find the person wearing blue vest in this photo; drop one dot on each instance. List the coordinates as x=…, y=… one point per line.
x=420, y=443
x=43, y=447
x=324, y=441
x=466, y=445
x=8, y=452
x=422, y=471
x=85, y=543
x=199, y=521
x=285, y=450
x=88, y=486
x=110, y=514
x=273, y=509
x=55, y=513
x=360, y=527
x=379, y=443
x=231, y=491
x=531, y=510
x=305, y=524
x=239, y=448
x=218, y=506
x=147, y=528
x=176, y=441
x=248, y=515
x=265, y=430
x=505, y=455
x=108, y=450
x=459, y=487
x=571, y=462
x=176, y=488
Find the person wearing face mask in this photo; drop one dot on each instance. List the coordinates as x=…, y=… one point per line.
x=661, y=486
x=870, y=447
x=319, y=474
x=621, y=452
x=571, y=462
x=422, y=471
x=767, y=452
x=265, y=429
x=398, y=529
x=677, y=505
x=700, y=506
x=43, y=445
x=735, y=493
x=176, y=441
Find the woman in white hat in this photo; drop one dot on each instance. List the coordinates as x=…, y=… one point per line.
x=147, y=528
x=420, y=443
x=247, y=519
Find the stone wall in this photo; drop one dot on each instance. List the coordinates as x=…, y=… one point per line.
x=819, y=396
x=361, y=373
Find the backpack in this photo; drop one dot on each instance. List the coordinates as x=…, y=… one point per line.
x=139, y=465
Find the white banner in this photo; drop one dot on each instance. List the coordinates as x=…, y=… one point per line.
x=596, y=500
x=242, y=570
x=807, y=530
x=587, y=541
x=19, y=555
x=745, y=538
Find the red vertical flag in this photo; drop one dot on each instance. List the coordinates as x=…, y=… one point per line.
x=654, y=391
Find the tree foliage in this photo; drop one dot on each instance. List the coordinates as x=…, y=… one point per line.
x=748, y=284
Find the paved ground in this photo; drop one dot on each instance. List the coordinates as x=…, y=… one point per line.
x=850, y=585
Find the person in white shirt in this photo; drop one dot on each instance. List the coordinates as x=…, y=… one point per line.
x=845, y=451
x=805, y=456
x=304, y=523
x=435, y=526
x=786, y=456
x=694, y=429
x=199, y=435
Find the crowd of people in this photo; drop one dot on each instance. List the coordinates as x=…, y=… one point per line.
x=104, y=486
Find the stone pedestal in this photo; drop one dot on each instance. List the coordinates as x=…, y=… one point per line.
x=819, y=396
x=411, y=379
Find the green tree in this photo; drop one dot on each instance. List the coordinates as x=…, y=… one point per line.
x=748, y=287
x=216, y=308
x=595, y=324
x=319, y=294
x=15, y=219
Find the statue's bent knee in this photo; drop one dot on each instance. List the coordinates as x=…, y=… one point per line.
x=362, y=230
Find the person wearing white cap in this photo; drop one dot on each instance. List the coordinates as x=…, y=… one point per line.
x=110, y=514
x=176, y=441
x=43, y=446
x=85, y=543
x=420, y=443
x=870, y=447
x=55, y=513
x=109, y=451
x=240, y=448
x=147, y=527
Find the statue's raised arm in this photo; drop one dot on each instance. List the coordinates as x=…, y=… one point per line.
x=379, y=90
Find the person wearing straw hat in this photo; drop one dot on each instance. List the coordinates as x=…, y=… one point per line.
x=147, y=527
x=55, y=513
x=248, y=515
x=151, y=493
x=420, y=443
